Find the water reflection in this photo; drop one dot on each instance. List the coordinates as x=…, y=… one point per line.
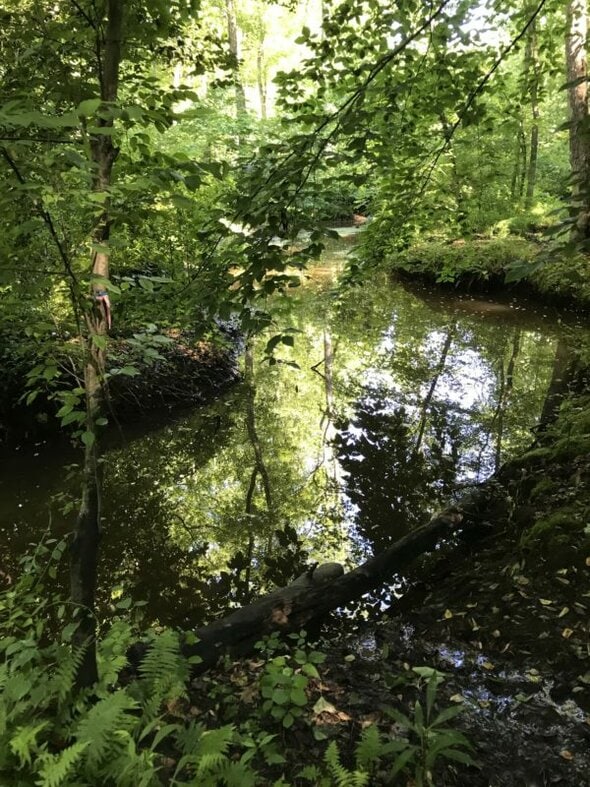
x=397, y=399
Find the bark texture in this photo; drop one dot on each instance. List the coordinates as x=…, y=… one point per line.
x=307, y=601
x=575, y=51
x=86, y=538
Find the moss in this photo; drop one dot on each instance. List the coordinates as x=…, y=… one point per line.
x=533, y=457
x=544, y=487
x=570, y=447
x=566, y=276
x=561, y=277
x=557, y=527
x=473, y=261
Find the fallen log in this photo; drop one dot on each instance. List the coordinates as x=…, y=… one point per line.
x=308, y=600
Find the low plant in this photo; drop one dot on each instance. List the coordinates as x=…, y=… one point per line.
x=142, y=729
x=286, y=677
x=429, y=738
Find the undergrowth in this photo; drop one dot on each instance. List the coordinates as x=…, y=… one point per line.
x=142, y=730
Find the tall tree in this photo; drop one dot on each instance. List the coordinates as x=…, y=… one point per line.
x=84, y=549
x=577, y=86
x=532, y=76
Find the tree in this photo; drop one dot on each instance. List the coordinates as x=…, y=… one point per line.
x=575, y=51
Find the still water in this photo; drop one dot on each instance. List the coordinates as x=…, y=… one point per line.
x=388, y=402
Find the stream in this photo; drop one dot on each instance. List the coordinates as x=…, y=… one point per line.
x=389, y=400
x=381, y=405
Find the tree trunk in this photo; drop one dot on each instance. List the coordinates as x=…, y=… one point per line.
x=564, y=371
x=84, y=547
x=307, y=601
x=234, y=48
x=575, y=52
x=506, y=385
x=428, y=398
x=533, y=76
x=261, y=78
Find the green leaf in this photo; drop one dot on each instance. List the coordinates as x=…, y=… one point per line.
x=88, y=438
x=447, y=714
x=88, y=107
x=280, y=696
x=76, y=416
x=298, y=697
x=431, y=694
x=459, y=756
x=99, y=341
x=129, y=371
x=400, y=762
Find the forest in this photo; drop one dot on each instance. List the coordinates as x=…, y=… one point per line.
x=294, y=406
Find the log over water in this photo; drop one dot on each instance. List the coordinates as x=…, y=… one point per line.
x=312, y=596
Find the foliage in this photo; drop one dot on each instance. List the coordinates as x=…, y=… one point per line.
x=285, y=679
x=434, y=740
x=136, y=728
x=464, y=261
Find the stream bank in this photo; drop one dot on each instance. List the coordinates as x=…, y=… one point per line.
x=186, y=372
x=512, y=264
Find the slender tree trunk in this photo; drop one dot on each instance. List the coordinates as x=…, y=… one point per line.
x=523, y=164
x=461, y=213
x=564, y=369
x=84, y=547
x=506, y=386
x=575, y=52
x=428, y=399
x=261, y=78
x=259, y=463
x=515, y=184
x=234, y=48
x=532, y=69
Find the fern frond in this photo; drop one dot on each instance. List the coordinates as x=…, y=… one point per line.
x=55, y=767
x=164, y=673
x=24, y=743
x=62, y=681
x=103, y=725
x=369, y=748
x=215, y=741
x=237, y=774
x=187, y=738
x=342, y=776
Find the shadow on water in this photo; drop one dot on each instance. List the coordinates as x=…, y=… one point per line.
x=388, y=400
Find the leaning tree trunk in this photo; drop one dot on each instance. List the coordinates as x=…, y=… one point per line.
x=575, y=52
x=305, y=603
x=84, y=548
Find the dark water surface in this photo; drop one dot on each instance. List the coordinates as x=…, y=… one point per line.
x=400, y=398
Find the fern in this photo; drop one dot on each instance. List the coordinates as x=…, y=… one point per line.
x=369, y=748
x=24, y=743
x=237, y=774
x=342, y=776
x=55, y=767
x=62, y=681
x=103, y=724
x=164, y=673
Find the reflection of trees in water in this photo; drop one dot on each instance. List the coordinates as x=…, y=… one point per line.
x=393, y=485
x=405, y=454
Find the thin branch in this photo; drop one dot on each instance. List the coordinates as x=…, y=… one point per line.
x=278, y=170
x=479, y=88
x=46, y=216
x=41, y=139
x=83, y=13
